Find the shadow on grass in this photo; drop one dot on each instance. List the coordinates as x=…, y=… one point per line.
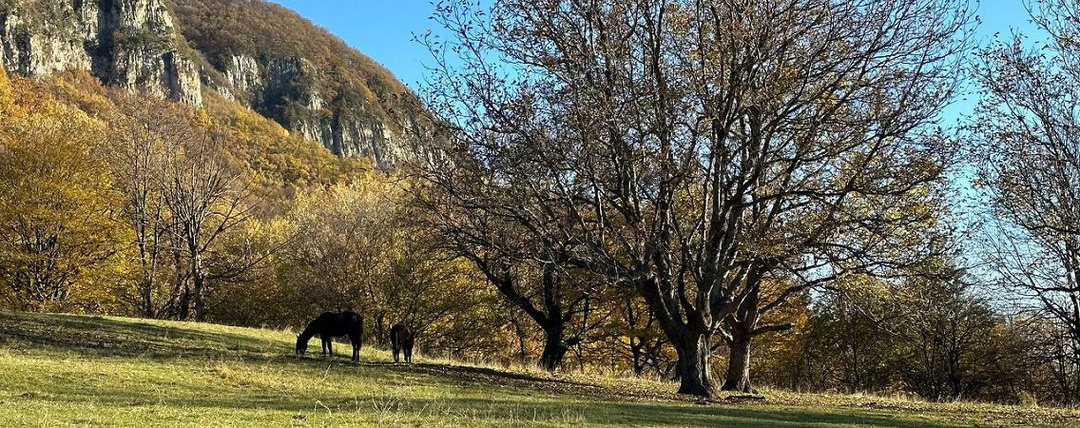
x=750, y=416
x=91, y=335
x=513, y=408
x=476, y=374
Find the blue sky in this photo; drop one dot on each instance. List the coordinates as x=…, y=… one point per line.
x=383, y=29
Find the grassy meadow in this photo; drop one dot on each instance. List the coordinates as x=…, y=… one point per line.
x=68, y=370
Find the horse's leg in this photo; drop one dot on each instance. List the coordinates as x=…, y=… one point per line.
x=330, y=346
x=408, y=355
x=355, y=339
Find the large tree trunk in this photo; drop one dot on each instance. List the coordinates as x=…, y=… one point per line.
x=554, y=346
x=694, y=376
x=742, y=327
x=691, y=343
x=738, y=371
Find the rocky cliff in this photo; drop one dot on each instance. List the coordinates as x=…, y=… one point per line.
x=253, y=52
x=127, y=43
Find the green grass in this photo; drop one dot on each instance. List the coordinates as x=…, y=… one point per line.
x=67, y=370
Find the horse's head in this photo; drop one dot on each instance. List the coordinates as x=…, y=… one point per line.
x=301, y=345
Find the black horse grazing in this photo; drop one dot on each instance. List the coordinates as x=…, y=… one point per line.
x=401, y=339
x=330, y=325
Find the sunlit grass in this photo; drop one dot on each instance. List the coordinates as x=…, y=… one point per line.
x=64, y=370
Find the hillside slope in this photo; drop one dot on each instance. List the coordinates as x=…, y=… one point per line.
x=67, y=370
x=257, y=53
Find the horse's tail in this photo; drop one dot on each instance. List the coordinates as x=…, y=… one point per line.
x=396, y=336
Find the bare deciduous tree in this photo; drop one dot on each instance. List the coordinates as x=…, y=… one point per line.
x=147, y=130
x=489, y=224
x=205, y=197
x=690, y=149
x=1027, y=130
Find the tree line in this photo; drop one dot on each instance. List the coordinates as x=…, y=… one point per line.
x=695, y=190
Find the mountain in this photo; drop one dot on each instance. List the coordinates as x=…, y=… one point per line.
x=258, y=54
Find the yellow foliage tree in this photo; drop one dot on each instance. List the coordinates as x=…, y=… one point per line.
x=56, y=203
x=6, y=98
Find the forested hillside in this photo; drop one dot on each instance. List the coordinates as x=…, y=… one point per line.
x=257, y=53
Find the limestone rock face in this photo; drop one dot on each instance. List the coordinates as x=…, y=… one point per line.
x=127, y=43
x=51, y=39
x=287, y=89
x=291, y=71
x=139, y=50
